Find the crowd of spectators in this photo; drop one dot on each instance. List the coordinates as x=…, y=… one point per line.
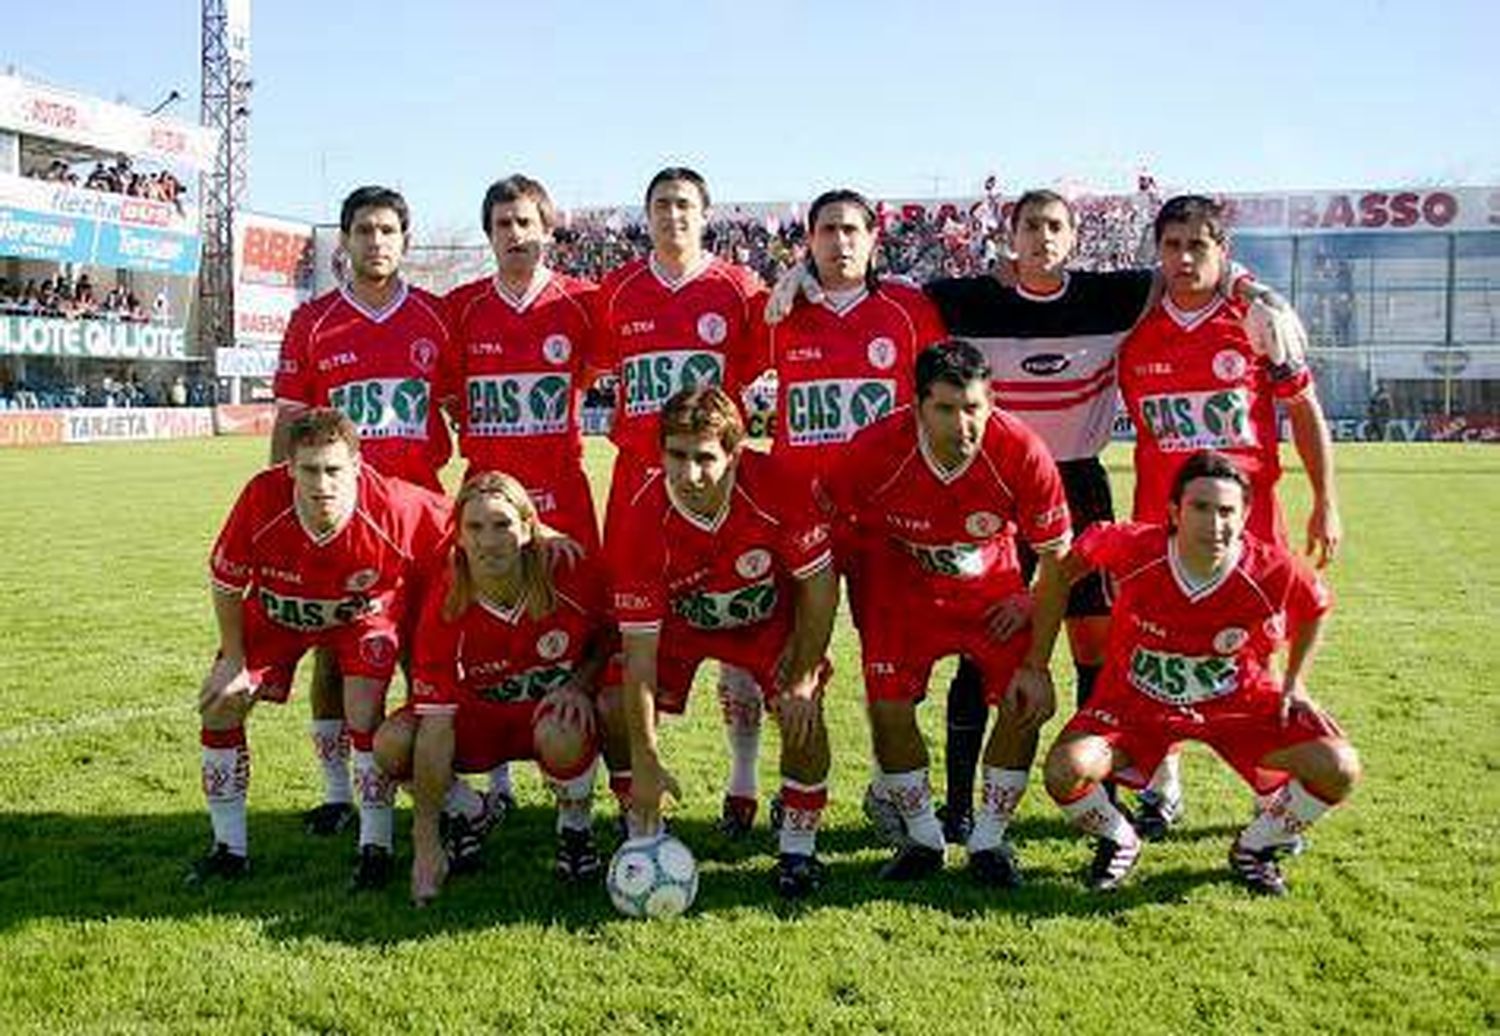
x=62, y=296
x=118, y=177
x=917, y=241
x=122, y=388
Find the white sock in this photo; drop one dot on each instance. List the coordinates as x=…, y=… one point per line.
x=997, y=805
x=463, y=801
x=376, y=790
x=575, y=800
x=912, y=796
x=741, y=703
x=500, y=780
x=1288, y=813
x=226, y=781
x=1167, y=780
x=331, y=744
x=802, y=812
x=1094, y=814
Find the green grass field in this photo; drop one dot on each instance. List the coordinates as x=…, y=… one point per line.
x=105, y=630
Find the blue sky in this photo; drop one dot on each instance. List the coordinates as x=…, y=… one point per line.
x=780, y=100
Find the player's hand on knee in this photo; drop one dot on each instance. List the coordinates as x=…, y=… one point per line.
x=797, y=281
x=1030, y=700
x=226, y=685
x=1009, y=617
x=1297, y=706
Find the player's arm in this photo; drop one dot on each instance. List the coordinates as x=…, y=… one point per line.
x=1030, y=698
x=650, y=781
x=1277, y=335
x=227, y=677
x=1314, y=447
x=1305, y=637
x=817, y=601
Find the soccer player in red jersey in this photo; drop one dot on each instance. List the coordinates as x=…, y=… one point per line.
x=317, y=552
x=1194, y=378
x=373, y=348
x=717, y=555
x=1200, y=608
x=939, y=495
x=523, y=343
x=506, y=665
x=846, y=361
x=682, y=318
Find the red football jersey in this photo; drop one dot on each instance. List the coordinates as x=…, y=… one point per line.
x=308, y=582
x=519, y=366
x=503, y=656
x=661, y=336
x=950, y=536
x=842, y=368
x=381, y=368
x=1186, y=645
x=729, y=576
x=1194, y=381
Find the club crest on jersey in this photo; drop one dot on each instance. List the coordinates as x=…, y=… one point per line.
x=424, y=354
x=361, y=581
x=983, y=524
x=1230, y=639
x=556, y=349
x=552, y=644
x=1275, y=627
x=378, y=649
x=882, y=353
x=713, y=328
x=753, y=563
x=1229, y=365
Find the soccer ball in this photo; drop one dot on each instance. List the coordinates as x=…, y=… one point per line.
x=652, y=877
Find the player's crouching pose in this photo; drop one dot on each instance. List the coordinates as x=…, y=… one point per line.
x=938, y=496
x=509, y=651
x=1199, y=610
x=716, y=555
x=317, y=552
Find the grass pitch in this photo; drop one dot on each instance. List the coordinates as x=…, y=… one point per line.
x=105, y=630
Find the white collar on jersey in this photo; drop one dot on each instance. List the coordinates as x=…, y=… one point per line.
x=1036, y=296
x=710, y=523
x=841, y=303
x=1189, y=319
x=378, y=316
x=539, y=280
x=944, y=475
x=688, y=276
x=506, y=615
x=1196, y=590
x=327, y=536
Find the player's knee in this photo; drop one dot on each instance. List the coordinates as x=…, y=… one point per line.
x=393, y=747
x=1066, y=768
x=1342, y=770
x=224, y=712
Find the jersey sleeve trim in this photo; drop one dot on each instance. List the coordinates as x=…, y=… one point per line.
x=814, y=566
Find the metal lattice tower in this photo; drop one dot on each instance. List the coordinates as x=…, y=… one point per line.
x=226, y=95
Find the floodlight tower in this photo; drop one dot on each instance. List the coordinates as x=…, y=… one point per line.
x=226, y=109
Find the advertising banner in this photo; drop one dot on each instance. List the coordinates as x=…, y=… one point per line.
x=244, y=418
x=31, y=428
x=53, y=336
x=136, y=425
x=54, y=222
x=273, y=275
x=245, y=362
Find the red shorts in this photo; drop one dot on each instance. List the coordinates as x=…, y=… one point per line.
x=1243, y=730
x=565, y=502
x=367, y=648
x=898, y=650
x=680, y=652
x=486, y=734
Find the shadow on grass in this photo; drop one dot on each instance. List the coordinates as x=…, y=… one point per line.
x=92, y=868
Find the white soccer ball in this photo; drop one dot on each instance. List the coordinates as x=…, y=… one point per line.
x=652, y=877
